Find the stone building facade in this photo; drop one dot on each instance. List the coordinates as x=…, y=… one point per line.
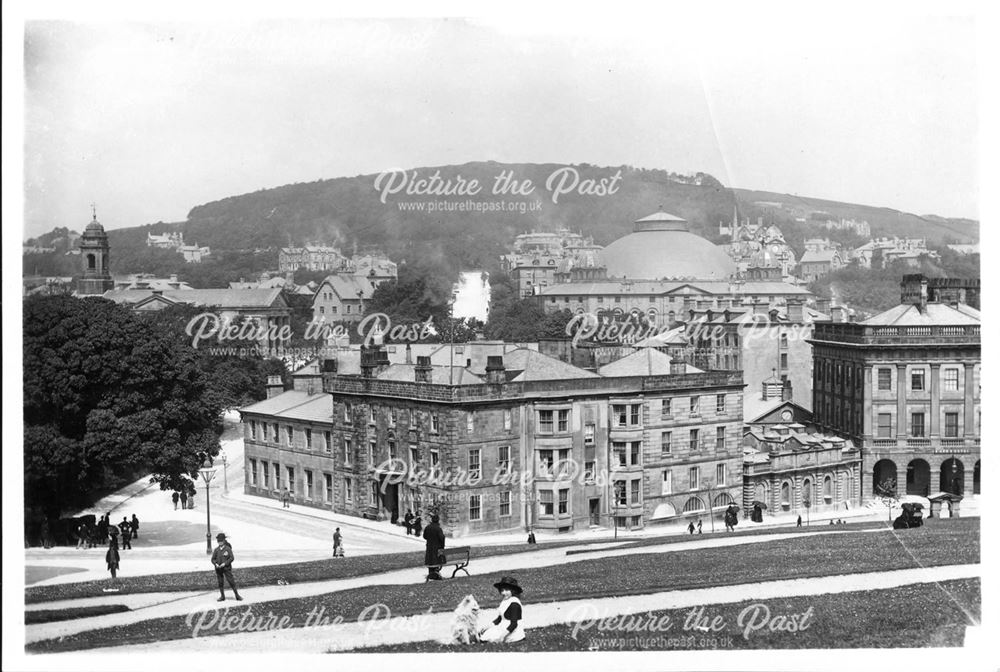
x=528, y=442
x=904, y=386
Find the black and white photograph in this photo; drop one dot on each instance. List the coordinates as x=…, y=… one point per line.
x=644, y=335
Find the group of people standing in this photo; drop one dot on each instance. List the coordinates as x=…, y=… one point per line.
x=184, y=497
x=414, y=523
x=91, y=535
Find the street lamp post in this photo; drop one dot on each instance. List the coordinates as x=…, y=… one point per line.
x=207, y=473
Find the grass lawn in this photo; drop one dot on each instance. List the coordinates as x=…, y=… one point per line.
x=945, y=542
x=351, y=567
x=918, y=615
x=50, y=615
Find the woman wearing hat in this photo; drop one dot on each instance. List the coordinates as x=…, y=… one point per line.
x=506, y=626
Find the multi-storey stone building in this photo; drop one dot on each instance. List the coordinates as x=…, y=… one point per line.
x=529, y=441
x=904, y=386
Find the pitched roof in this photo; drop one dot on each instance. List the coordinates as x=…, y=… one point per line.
x=533, y=365
x=643, y=362
x=818, y=256
x=223, y=298
x=907, y=315
x=349, y=287
x=295, y=405
x=440, y=375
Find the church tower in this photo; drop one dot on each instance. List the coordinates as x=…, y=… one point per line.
x=96, y=258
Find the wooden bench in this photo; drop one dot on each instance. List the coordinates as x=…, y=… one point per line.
x=457, y=557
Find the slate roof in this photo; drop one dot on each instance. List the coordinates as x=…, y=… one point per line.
x=909, y=315
x=643, y=362
x=349, y=287
x=295, y=405
x=533, y=365
x=439, y=375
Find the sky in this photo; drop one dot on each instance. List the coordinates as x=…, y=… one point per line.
x=148, y=119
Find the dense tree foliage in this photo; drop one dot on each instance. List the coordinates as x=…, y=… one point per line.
x=512, y=318
x=871, y=291
x=108, y=395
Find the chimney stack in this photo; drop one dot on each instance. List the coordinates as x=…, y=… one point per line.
x=422, y=370
x=274, y=386
x=495, y=370
x=374, y=360
x=409, y=354
x=795, y=312
x=823, y=305
x=677, y=367
x=838, y=314
x=786, y=390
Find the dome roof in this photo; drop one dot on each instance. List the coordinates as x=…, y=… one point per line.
x=94, y=227
x=662, y=247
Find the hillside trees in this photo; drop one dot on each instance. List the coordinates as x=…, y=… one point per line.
x=107, y=396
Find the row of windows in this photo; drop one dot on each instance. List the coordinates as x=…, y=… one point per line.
x=392, y=417
x=918, y=426
x=694, y=479
x=918, y=379
x=630, y=415
x=271, y=476
x=271, y=432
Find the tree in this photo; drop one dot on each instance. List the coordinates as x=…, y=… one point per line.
x=886, y=491
x=108, y=396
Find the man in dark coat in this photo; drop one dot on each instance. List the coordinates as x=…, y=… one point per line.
x=408, y=522
x=435, y=544
x=176, y=498
x=126, y=530
x=418, y=523
x=135, y=526
x=112, y=558
x=222, y=560
x=184, y=499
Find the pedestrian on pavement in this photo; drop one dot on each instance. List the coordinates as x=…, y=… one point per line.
x=184, y=499
x=691, y=528
x=507, y=626
x=81, y=535
x=135, y=526
x=798, y=522
x=531, y=536
x=112, y=557
x=418, y=523
x=175, y=497
x=699, y=526
x=126, y=536
x=222, y=559
x=191, y=494
x=338, y=544
x=284, y=499
x=408, y=521
x=435, y=544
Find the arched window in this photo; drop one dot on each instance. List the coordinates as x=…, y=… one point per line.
x=786, y=494
x=91, y=262
x=694, y=504
x=723, y=500
x=827, y=489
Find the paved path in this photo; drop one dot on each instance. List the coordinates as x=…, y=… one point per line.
x=387, y=630
x=157, y=605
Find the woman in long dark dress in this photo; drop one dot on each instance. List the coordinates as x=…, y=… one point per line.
x=112, y=557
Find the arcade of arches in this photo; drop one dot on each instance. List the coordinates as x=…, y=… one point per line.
x=922, y=480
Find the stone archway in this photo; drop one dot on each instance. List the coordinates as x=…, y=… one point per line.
x=952, y=476
x=918, y=478
x=884, y=470
x=975, y=478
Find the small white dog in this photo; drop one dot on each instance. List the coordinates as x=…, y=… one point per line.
x=465, y=622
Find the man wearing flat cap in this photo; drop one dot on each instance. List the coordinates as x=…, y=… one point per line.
x=222, y=559
x=506, y=627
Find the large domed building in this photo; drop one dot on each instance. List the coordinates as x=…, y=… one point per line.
x=661, y=247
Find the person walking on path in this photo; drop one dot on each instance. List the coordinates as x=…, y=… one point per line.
x=135, y=526
x=435, y=544
x=798, y=523
x=284, y=499
x=176, y=498
x=338, y=544
x=126, y=535
x=184, y=499
x=691, y=528
x=112, y=557
x=222, y=559
x=699, y=526
x=531, y=536
x=507, y=626
x=408, y=521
